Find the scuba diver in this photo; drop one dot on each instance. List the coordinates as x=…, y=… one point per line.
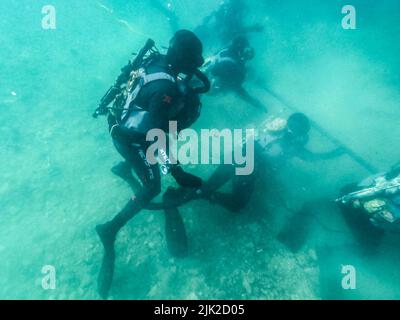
x=372, y=207
x=227, y=70
x=277, y=141
x=147, y=96
x=369, y=208
x=227, y=21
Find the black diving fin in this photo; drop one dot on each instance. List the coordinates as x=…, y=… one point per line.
x=295, y=232
x=175, y=231
x=106, y=275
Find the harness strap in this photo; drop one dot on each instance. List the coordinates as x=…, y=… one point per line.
x=144, y=80
x=221, y=58
x=147, y=78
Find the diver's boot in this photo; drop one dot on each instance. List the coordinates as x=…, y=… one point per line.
x=107, y=237
x=175, y=234
x=108, y=234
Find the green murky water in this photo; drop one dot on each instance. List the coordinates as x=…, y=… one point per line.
x=54, y=158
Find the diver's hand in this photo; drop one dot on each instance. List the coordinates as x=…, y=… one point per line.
x=100, y=111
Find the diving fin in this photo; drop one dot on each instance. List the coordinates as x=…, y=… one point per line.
x=106, y=274
x=175, y=232
x=295, y=232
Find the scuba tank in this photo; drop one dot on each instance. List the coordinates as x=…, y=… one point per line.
x=115, y=90
x=134, y=116
x=379, y=200
x=381, y=187
x=131, y=81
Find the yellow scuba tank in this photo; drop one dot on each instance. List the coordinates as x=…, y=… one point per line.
x=121, y=99
x=276, y=126
x=374, y=206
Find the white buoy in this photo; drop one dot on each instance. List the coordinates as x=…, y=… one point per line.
x=13, y=93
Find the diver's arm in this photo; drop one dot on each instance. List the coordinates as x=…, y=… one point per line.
x=308, y=155
x=243, y=94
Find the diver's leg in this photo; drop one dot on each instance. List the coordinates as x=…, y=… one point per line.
x=151, y=186
x=150, y=178
x=242, y=190
x=124, y=168
x=297, y=227
x=124, y=171
x=220, y=177
x=175, y=232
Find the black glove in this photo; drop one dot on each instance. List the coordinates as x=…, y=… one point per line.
x=100, y=111
x=185, y=179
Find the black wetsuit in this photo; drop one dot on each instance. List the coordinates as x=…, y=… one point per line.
x=160, y=99
x=230, y=70
x=229, y=74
